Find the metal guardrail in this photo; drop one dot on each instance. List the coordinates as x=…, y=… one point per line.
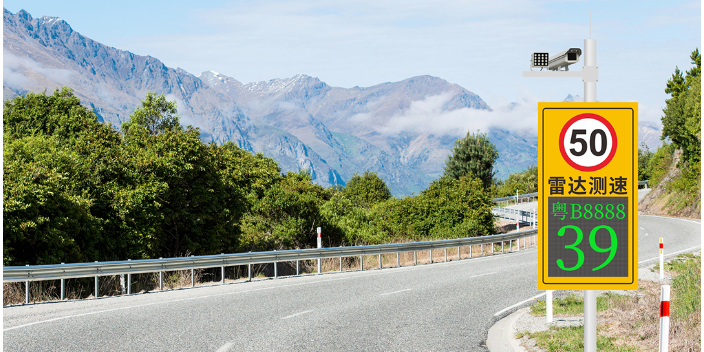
x=519, y=197
x=515, y=214
x=67, y=271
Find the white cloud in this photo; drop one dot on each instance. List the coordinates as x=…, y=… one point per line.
x=428, y=116
x=15, y=67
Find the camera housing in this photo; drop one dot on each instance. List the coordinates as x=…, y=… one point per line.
x=564, y=59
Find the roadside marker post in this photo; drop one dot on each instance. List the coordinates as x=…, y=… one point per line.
x=320, y=245
x=664, y=318
x=662, y=269
x=587, y=171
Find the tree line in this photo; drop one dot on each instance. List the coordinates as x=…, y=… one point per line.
x=77, y=190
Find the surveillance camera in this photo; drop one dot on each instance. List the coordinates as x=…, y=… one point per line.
x=564, y=59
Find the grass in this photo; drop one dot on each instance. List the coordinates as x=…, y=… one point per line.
x=686, y=285
x=631, y=322
x=570, y=339
x=574, y=304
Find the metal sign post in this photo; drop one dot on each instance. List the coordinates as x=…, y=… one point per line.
x=587, y=157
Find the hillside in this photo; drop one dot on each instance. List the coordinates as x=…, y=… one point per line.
x=301, y=122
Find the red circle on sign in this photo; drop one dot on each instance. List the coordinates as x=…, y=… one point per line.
x=567, y=127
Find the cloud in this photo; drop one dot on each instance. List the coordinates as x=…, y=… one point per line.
x=15, y=69
x=428, y=116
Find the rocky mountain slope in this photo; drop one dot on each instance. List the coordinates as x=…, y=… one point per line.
x=301, y=122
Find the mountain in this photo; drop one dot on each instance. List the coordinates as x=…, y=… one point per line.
x=301, y=122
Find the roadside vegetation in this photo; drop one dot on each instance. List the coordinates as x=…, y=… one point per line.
x=674, y=169
x=631, y=322
x=76, y=190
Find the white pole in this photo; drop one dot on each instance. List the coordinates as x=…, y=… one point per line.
x=548, y=306
x=589, y=295
x=533, y=218
x=664, y=317
x=662, y=264
x=320, y=245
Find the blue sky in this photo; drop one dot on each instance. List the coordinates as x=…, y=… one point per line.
x=481, y=45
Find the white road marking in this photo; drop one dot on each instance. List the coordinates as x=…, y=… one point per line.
x=391, y=293
x=360, y=274
x=692, y=249
x=671, y=218
x=518, y=304
x=226, y=347
x=297, y=314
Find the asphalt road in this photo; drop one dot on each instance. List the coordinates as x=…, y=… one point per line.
x=443, y=306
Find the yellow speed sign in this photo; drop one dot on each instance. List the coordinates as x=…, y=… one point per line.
x=588, y=176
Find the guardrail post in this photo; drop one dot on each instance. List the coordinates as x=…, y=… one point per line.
x=129, y=282
x=518, y=247
x=431, y=256
x=459, y=252
x=193, y=278
x=63, y=291
x=398, y=260
x=26, y=291
x=298, y=267
x=415, y=258
x=249, y=271
x=482, y=248
x=96, y=285
x=446, y=254
x=161, y=279
x=340, y=264
x=122, y=284
x=379, y=260
x=361, y=263
x=276, y=273
x=470, y=251
x=502, y=247
x=492, y=248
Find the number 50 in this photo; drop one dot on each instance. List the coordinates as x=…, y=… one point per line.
x=592, y=243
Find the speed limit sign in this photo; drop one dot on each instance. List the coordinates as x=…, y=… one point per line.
x=588, y=168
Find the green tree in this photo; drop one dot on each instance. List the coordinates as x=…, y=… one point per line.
x=474, y=154
x=523, y=182
x=682, y=119
x=156, y=114
x=644, y=156
x=53, y=152
x=286, y=216
x=367, y=190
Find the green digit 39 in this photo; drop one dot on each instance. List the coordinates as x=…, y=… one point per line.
x=592, y=243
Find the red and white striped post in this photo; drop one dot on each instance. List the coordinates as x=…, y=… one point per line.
x=664, y=317
x=320, y=245
x=662, y=269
